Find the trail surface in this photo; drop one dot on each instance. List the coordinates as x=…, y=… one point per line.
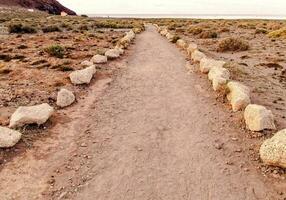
x=154, y=133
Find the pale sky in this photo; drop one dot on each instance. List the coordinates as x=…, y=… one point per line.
x=256, y=7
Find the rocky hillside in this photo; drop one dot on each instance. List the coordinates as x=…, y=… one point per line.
x=51, y=6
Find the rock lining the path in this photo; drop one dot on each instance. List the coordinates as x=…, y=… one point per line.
x=219, y=77
x=206, y=64
x=9, y=137
x=65, y=98
x=258, y=118
x=197, y=56
x=25, y=115
x=83, y=76
x=239, y=95
x=99, y=59
x=273, y=150
x=112, y=53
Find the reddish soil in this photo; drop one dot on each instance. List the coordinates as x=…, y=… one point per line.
x=153, y=132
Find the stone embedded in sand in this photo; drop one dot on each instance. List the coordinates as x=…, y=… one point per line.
x=197, y=56
x=9, y=137
x=219, y=77
x=65, y=98
x=83, y=76
x=239, y=95
x=258, y=118
x=206, y=64
x=86, y=63
x=191, y=48
x=99, y=59
x=181, y=43
x=24, y=115
x=273, y=150
x=112, y=53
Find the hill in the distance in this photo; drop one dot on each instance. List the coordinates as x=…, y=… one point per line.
x=50, y=6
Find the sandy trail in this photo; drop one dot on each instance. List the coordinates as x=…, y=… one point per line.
x=153, y=134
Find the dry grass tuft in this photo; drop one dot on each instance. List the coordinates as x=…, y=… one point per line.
x=281, y=33
x=232, y=44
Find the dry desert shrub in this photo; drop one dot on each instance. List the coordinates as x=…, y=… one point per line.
x=261, y=31
x=56, y=51
x=208, y=34
x=281, y=33
x=194, y=30
x=20, y=28
x=232, y=44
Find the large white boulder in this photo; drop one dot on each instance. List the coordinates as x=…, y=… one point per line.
x=182, y=43
x=258, y=118
x=273, y=150
x=197, y=56
x=112, y=53
x=219, y=77
x=239, y=95
x=65, y=98
x=83, y=76
x=191, y=48
x=24, y=115
x=206, y=64
x=9, y=137
x=99, y=59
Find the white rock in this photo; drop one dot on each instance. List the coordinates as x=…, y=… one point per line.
x=83, y=76
x=131, y=34
x=65, y=98
x=181, y=43
x=119, y=49
x=164, y=32
x=99, y=59
x=112, y=53
x=239, y=95
x=206, y=64
x=197, y=56
x=86, y=63
x=170, y=36
x=273, y=151
x=8, y=137
x=191, y=48
x=137, y=30
x=126, y=40
x=24, y=115
x=258, y=118
x=219, y=77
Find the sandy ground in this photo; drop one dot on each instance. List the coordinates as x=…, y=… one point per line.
x=153, y=132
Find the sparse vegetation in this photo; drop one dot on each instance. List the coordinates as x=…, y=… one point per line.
x=51, y=28
x=281, y=33
x=20, y=28
x=56, y=51
x=208, y=34
x=232, y=44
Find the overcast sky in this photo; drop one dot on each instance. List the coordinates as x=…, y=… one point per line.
x=256, y=7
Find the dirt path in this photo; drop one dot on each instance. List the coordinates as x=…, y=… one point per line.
x=154, y=133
